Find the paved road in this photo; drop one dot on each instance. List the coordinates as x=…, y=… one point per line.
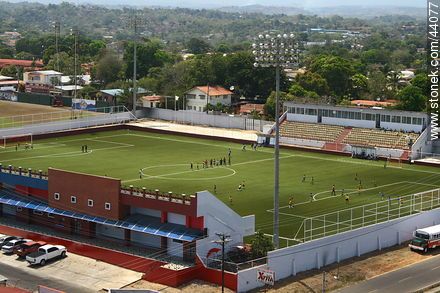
x=408, y=279
x=24, y=279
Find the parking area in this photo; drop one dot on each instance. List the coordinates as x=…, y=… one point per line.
x=73, y=273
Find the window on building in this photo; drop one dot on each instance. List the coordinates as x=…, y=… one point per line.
x=19, y=209
x=311, y=112
x=417, y=121
x=73, y=199
x=56, y=196
x=300, y=111
x=395, y=119
x=49, y=215
x=202, y=97
x=108, y=206
x=90, y=202
x=35, y=212
x=189, y=96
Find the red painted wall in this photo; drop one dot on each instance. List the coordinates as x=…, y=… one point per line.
x=84, y=187
x=195, y=222
x=160, y=205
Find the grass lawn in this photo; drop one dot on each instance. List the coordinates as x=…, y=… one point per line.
x=164, y=161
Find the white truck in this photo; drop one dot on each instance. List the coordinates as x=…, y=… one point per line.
x=45, y=253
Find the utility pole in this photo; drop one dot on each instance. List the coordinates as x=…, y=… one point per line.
x=135, y=23
x=207, y=99
x=75, y=33
x=224, y=238
x=57, y=35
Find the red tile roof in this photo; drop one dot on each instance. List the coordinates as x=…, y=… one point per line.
x=214, y=90
x=248, y=108
x=23, y=63
x=152, y=98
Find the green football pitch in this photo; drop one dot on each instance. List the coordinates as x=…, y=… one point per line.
x=163, y=162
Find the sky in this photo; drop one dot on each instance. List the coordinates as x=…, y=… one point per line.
x=221, y=3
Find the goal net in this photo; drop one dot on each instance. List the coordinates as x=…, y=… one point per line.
x=19, y=141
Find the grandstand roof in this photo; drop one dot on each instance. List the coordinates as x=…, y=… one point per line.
x=355, y=109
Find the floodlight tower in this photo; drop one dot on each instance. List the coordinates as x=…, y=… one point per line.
x=279, y=52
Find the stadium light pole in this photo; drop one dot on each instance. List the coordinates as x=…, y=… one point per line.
x=279, y=52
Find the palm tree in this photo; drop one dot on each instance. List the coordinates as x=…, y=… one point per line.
x=393, y=78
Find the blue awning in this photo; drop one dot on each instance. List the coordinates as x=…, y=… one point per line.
x=138, y=223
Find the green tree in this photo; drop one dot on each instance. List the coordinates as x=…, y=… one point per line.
x=66, y=62
x=313, y=82
x=269, y=106
x=6, y=52
x=336, y=70
x=421, y=81
x=411, y=98
x=150, y=54
x=108, y=67
x=10, y=71
x=261, y=244
x=95, y=47
x=359, y=83
x=297, y=91
x=198, y=46
x=377, y=85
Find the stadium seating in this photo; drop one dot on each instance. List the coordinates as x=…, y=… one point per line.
x=312, y=131
x=352, y=136
x=379, y=138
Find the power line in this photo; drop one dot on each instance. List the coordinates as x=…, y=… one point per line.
x=224, y=238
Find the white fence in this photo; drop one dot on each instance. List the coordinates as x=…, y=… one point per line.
x=213, y=120
x=76, y=122
x=332, y=249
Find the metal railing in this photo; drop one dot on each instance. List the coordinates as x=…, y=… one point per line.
x=389, y=208
x=157, y=195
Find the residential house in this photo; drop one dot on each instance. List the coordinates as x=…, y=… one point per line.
x=41, y=81
x=198, y=97
x=153, y=101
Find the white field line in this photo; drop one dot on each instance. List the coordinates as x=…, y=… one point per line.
x=67, y=153
x=337, y=196
x=54, y=144
x=340, y=160
x=191, y=171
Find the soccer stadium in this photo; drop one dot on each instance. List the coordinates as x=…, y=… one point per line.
x=169, y=182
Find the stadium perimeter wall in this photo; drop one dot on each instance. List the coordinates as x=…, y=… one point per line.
x=201, y=118
x=315, y=254
x=56, y=126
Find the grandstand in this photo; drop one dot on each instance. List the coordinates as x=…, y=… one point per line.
x=386, y=133
x=380, y=138
x=312, y=131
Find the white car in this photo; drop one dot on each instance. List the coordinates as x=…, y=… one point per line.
x=45, y=253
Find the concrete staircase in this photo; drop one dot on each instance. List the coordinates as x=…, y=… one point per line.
x=337, y=145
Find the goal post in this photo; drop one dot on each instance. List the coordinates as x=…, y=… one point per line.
x=20, y=140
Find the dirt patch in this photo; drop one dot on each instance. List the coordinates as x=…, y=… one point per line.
x=347, y=273
x=8, y=108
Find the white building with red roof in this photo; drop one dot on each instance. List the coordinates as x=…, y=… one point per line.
x=198, y=97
